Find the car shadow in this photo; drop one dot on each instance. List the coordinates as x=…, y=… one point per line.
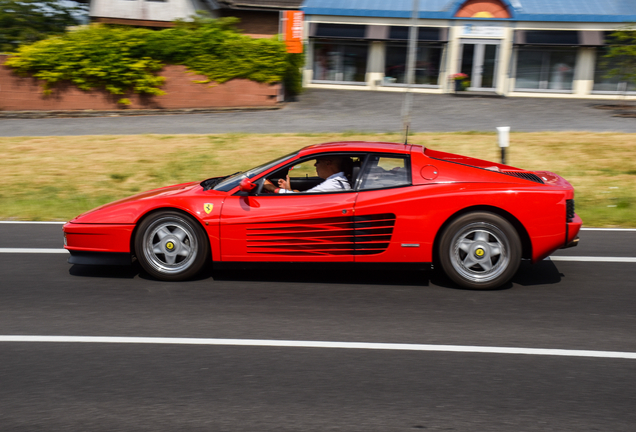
x=542, y=273
x=105, y=271
x=353, y=277
x=417, y=278
x=122, y=272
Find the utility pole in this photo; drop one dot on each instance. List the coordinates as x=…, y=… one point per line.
x=410, y=70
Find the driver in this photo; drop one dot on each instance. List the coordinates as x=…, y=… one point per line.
x=329, y=168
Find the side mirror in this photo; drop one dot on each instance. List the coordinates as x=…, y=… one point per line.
x=247, y=185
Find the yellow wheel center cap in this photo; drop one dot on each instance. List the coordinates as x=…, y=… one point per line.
x=480, y=252
x=170, y=246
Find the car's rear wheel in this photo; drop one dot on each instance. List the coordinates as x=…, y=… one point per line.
x=480, y=250
x=171, y=246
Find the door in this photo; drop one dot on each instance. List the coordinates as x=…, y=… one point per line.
x=387, y=214
x=288, y=227
x=479, y=62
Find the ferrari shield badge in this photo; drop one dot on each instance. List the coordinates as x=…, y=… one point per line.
x=208, y=207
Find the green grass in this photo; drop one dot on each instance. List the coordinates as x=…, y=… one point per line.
x=57, y=178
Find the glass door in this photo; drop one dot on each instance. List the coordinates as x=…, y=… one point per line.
x=479, y=61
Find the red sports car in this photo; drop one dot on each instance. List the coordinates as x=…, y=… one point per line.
x=407, y=206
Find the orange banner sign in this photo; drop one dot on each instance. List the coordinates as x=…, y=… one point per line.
x=293, y=34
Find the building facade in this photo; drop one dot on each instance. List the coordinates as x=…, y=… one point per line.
x=550, y=48
x=258, y=18
x=148, y=13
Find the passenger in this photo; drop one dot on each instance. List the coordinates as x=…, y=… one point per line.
x=329, y=168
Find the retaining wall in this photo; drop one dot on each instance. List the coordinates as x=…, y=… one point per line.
x=20, y=93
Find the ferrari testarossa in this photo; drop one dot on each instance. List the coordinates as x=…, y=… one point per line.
x=408, y=207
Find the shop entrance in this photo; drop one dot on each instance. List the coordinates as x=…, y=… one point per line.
x=479, y=61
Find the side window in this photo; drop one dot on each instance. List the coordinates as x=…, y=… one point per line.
x=385, y=172
x=304, y=169
x=311, y=175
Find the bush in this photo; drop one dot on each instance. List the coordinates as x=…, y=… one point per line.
x=293, y=75
x=123, y=59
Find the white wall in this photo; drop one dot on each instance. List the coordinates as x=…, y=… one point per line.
x=168, y=10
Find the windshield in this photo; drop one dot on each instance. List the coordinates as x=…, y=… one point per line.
x=232, y=181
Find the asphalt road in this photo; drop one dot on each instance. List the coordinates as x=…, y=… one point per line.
x=150, y=387
x=346, y=110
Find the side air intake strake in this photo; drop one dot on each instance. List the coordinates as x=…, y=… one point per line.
x=347, y=235
x=524, y=175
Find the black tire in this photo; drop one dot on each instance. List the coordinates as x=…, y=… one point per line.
x=480, y=250
x=171, y=246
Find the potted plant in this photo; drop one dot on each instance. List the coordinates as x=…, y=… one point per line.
x=461, y=81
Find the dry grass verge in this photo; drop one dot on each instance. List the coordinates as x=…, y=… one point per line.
x=56, y=178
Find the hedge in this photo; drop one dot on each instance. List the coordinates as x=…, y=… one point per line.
x=123, y=59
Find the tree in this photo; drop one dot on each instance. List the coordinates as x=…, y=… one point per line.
x=27, y=21
x=621, y=55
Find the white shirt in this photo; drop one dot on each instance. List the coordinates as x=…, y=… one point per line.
x=335, y=182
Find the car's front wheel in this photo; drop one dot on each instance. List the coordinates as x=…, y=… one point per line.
x=480, y=250
x=171, y=246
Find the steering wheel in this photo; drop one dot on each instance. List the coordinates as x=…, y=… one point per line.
x=273, y=180
x=280, y=174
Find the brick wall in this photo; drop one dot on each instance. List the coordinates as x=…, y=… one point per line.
x=19, y=94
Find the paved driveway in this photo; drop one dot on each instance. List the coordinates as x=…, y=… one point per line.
x=340, y=111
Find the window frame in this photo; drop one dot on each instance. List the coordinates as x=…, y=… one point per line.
x=545, y=68
x=427, y=44
x=260, y=181
x=407, y=165
x=340, y=43
x=233, y=181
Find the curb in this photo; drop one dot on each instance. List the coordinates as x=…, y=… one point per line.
x=477, y=94
x=127, y=113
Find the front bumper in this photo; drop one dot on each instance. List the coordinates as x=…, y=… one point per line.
x=100, y=258
x=115, y=238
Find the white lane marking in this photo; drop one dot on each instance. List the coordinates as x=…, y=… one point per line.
x=608, y=229
x=32, y=222
x=33, y=250
x=593, y=259
x=321, y=344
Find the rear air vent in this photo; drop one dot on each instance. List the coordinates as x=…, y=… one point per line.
x=524, y=175
x=569, y=210
x=373, y=233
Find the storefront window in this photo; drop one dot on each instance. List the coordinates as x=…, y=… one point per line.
x=340, y=61
x=427, y=64
x=603, y=83
x=545, y=69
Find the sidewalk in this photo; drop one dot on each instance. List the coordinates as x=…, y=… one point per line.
x=340, y=111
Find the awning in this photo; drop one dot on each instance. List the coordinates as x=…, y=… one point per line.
x=376, y=32
x=429, y=34
x=559, y=38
